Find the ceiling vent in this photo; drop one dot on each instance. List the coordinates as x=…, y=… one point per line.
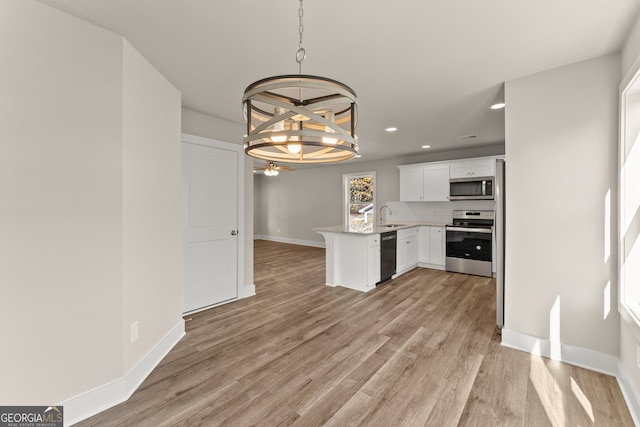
x=468, y=137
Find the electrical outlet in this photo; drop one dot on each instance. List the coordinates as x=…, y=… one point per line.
x=638, y=356
x=134, y=332
x=278, y=230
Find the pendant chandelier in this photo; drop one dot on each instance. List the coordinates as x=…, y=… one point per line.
x=300, y=118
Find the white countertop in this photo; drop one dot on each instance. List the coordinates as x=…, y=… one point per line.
x=382, y=228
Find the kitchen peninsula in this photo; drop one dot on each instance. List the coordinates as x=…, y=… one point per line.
x=353, y=255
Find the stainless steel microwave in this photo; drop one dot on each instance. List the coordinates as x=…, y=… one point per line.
x=476, y=188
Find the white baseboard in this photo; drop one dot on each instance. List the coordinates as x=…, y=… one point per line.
x=578, y=356
x=291, y=241
x=108, y=395
x=247, y=291
x=431, y=266
x=585, y=358
x=630, y=393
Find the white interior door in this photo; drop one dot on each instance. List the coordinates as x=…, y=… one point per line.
x=210, y=225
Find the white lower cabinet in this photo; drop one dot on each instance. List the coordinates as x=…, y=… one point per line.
x=352, y=259
x=432, y=246
x=373, y=261
x=436, y=245
x=407, y=250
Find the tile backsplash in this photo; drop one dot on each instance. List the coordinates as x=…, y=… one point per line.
x=439, y=212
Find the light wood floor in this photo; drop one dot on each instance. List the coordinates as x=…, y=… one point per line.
x=419, y=350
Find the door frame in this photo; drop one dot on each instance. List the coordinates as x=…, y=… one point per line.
x=213, y=143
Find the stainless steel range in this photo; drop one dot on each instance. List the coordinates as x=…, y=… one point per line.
x=469, y=243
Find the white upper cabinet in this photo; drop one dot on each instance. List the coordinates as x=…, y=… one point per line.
x=429, y=182
x=411, y=185
x=436, y=183
x=424, y=183
x=472, y=168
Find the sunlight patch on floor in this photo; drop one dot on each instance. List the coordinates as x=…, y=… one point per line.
x=582, y=398
x=548, y=391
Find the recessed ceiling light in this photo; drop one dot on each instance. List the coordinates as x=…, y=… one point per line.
x=358, y=156
x=497, y=106
x=426, y=146
x=391, y=129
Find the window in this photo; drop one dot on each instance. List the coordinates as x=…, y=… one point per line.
x=360, y=201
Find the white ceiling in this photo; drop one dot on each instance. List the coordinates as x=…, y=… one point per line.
x=430, y=68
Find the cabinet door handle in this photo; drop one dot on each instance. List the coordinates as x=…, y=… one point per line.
x=234, y=232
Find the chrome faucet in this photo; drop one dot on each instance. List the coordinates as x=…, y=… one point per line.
x=380, y=217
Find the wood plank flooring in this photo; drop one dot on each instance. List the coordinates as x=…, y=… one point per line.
x=420, y=350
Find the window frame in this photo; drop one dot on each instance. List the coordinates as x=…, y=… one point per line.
x=629, y=287
x=346, y=203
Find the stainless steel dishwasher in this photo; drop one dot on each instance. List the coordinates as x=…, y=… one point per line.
x=388, y=243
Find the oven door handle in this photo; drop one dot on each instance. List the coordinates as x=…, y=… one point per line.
x=470, y=230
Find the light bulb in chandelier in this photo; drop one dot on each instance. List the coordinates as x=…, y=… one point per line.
x=329, y=115
x=294, y=148
x=278, y=126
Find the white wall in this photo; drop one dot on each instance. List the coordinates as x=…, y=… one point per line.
x=61, y=272
x=561, y=145
x=196, y=123
x=631, y=49
x=299, y=201
x=152, y=234
x=77, y=259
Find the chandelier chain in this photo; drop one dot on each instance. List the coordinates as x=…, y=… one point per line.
x=301, y=54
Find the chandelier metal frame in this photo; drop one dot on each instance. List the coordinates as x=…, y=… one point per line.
x=300, y=118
